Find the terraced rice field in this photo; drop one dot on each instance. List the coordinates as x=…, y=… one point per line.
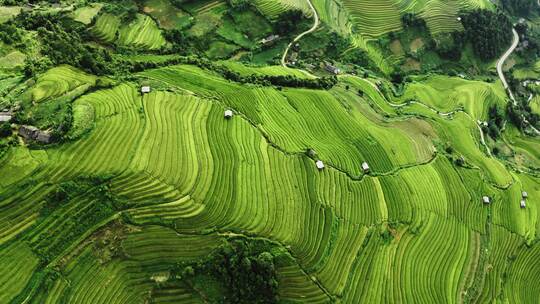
x=265, y=70
x=373, y=19
x=448, y=94
x=12, y=60
x=8, y=12
x=273, y=8
x=365, y=21
x=87, y=13
x=106, y=27
x=59, y=81
x=167, y=15
x=186, y=179
x=142, y=33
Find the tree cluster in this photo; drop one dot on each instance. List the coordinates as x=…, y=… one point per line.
x=412, y=20
x=517, y=114
x=238, y=4
x=63, y=43
x=9, y=33
x=288, y=22
x=495, y=121
x=5, y=129
x=57, y=203
x=519, y=7
x=248, y=274
x=449, y=45
x=490, y=33
x=177, y=39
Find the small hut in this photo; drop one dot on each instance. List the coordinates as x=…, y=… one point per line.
x=486, y=200
x=44, y=137
x=269, y=39
x=332, y=69
x=365, y=167
x=311, y=153
x=228, y=114
x=28, y=132
x=145, y=89
x=524, y=195
x=523, y=204
x=319, y=164
x=5, y=116
x=33, y=133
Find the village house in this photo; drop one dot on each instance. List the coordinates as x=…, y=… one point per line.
x=228, y=114
x=5, y=116
x=486, y=200
x=44, y=137
x=28, y=132
x=269, y=39
x=319, y=164
x=332, y=69
x=33, y=133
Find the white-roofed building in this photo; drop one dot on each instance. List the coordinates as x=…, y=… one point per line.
x=5, y=116
x=145, y=89
x=365, y=167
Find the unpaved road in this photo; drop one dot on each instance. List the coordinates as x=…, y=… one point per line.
x=311, y=30
x=500, y=64
x=501, y=61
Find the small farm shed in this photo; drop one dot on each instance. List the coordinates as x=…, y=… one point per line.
x=44, y=137
x=145, y=89
x=28, y=132
x=269, y=39
x=319, y=164
x=524, y=194
x=33, y=133
x=486, y=199
x=523, y=204
x=228, y=114
x=332, y=69
x=365, y=167
x=5, y=116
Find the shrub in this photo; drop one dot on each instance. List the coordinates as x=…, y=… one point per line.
x=5, y=129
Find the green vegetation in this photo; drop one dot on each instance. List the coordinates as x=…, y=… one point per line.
x=352, y=172
x=247, y=274
x=490, y=33
x=519, y=7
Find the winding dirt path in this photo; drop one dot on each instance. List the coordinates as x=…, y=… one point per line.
x=501, y=61
x=500, y=64
x=311, y=30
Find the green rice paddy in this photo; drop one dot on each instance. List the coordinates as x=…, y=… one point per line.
x=144, y=184
x=172, y=158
